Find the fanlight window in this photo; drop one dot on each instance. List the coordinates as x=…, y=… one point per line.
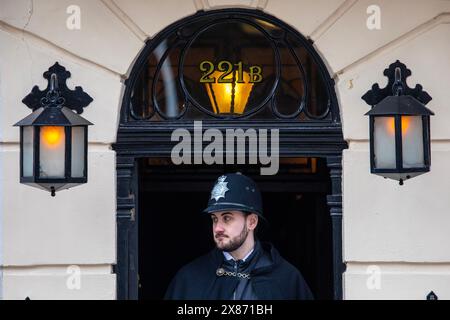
x=228, y=66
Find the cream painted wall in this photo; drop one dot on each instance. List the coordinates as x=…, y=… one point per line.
x=60, y=283
x=45, y=231
x=25, y=61
x=423, y=51
x=404, y=229
x=397, y=281
x=102, y=39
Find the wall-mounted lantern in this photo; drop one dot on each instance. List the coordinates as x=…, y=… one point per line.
x=399, y=125
x=53, y=139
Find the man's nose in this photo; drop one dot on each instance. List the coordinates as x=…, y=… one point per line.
x=218, y=227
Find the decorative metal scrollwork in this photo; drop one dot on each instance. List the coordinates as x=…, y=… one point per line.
x=397, y=74
x=293, y=86
x=73, y=99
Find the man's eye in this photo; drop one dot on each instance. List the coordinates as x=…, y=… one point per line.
x=227, y=218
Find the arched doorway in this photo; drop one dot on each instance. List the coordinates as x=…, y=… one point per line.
x=231, y=69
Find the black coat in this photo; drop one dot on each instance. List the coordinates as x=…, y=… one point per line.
x=276, y=280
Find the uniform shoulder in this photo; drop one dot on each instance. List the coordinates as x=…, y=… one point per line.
x=288, y=266
x=282, y=265
x=197, y=266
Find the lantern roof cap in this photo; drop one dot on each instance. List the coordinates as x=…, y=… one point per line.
x=53, y=116
x=400, y=105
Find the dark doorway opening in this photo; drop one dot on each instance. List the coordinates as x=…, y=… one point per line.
x=173, y=231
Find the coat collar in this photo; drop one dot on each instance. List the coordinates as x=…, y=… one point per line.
x=265, y=253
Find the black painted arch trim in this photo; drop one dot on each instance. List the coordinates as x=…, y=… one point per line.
x=152, y=43
x=137, y=140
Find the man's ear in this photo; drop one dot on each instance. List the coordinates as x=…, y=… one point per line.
x=252, y=221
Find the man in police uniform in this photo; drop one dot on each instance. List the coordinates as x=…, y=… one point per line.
x=240, y=267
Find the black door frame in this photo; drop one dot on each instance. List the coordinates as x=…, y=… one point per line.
x=126, y=268
x=144, y=139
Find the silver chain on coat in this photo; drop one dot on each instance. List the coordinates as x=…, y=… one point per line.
x=222, y=272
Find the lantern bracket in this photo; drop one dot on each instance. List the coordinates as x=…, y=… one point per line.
x=396, y=74
x=73, y=99
x=53, y=96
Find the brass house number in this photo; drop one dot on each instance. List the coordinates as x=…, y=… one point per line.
x=254, y=74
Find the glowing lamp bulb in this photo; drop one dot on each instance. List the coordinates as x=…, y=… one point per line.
x=52, y=136
x=405, y=125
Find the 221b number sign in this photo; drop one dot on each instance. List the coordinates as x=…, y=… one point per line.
x=227, y=72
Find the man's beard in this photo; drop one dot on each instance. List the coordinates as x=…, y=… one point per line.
x=234, y=243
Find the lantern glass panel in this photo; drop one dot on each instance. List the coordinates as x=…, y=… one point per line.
x=412, y=142
x=384, y=142
x=52, y=152
x=27, y=151
x=78, y=151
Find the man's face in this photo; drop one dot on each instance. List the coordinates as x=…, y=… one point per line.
x=229, y=229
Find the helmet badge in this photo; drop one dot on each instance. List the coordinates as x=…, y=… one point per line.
x=219, y=189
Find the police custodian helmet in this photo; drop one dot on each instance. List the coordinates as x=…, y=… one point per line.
x=234, y=191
